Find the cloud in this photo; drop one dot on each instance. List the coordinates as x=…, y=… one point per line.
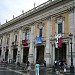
x=8, y=8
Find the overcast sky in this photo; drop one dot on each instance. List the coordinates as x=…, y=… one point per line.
x=8, y=8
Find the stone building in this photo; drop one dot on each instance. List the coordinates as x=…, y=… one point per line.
x=18, y=37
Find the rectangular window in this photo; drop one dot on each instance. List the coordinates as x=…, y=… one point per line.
x=27, y=34
x=7, y=41
x=0, y=41
x=40, y=32
x=59, y=28
x=15, y=38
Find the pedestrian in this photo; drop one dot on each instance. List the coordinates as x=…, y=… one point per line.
x=45, y=64
x=37, y=66
x=55, y=64
x=65, y=67
x=28, y=67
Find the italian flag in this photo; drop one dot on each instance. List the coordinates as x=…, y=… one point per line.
x=56, y=40
x=59, y=41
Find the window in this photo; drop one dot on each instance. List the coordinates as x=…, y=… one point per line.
x=27, y=34
x=15, y=38
x=0, y=41
x=59, y=28
x=7, y=41
x=40, y=32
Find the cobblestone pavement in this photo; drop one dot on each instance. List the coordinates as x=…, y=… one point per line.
x=23, y=72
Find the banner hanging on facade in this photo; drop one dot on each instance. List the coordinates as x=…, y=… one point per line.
x=24, y=42
x=38, y=40
x=60, y=41
x=56, y=40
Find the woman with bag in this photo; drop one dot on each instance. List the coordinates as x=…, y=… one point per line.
x=28, y=67
x=65, y=67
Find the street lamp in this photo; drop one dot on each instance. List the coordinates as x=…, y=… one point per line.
x=58, y=59
x=71, y=67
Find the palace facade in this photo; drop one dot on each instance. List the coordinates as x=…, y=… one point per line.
x=31, y=35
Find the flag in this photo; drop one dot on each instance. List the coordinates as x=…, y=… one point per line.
x=38, y=40
x=56, y=40
x=24, y=42
x=59, y=41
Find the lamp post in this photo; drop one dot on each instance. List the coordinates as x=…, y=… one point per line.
x=58, y=59
x=71, y=67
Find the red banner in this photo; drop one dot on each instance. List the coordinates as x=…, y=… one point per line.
x=24, y=42
x=60, y=42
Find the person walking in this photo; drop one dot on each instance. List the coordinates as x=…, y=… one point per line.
x=28, y=67
x=45, y=64
x=65, y=67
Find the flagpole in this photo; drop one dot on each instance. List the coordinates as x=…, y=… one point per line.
x=58, y=59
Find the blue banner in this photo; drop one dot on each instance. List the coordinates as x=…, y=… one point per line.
x=38, y=40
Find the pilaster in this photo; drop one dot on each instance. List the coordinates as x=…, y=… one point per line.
x=20, y=49
x=47, y=49
x=67, y=53
x=35, y=52
x=52, y=50
x=3, y=48
x=72, y=30
x=71, y=24
x=10, y=49
x=31, y=49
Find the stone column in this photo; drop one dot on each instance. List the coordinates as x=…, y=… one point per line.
x=74, y=36
x=72, y=30
x=10, y=53
x=31, y=49
x=48, y=34
x=21, y=55
x=35, y=51
x=67, y=54
x=53, y=54
x=3, y=48
x=20, y=49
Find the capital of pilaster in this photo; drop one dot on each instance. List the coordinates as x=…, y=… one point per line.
x=49, y=18
x=71, y=10
x=59, y=19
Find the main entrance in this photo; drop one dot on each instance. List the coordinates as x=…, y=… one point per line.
x=0, y=51
x=25, y=54
x=14, y=54
x=60, y=53
x=6, y=54
x=40, y=54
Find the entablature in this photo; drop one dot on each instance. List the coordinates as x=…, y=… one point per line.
x=62, y=8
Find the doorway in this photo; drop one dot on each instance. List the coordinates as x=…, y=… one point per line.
x=60, y=53
x=40, y=54
x=14, y=54
x=25, y=54
x=6, y=54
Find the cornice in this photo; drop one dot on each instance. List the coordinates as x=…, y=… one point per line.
x=62, y=8
x=30, y=12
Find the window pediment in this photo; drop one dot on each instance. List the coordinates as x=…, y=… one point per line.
x=59, y=19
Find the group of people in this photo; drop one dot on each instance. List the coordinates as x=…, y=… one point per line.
x=28, y=66
x=61, y=64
